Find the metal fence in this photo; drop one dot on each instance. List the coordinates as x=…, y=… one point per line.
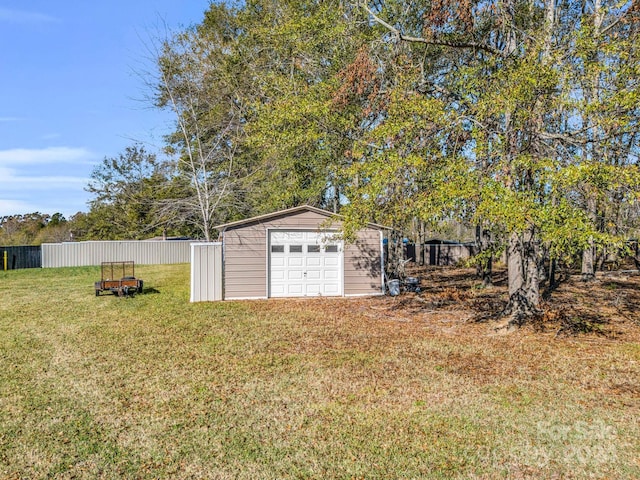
x=76, y=254
x=441, y=253
x=13, y=258
x=448, y=254
x=206, y=272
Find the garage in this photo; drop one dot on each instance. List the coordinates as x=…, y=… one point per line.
x=298, y=253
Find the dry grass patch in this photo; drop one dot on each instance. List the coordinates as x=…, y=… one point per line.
x=410, y=387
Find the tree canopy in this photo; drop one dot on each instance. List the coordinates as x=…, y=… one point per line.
x=33, y=229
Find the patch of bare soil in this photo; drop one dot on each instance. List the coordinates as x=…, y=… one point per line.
x=607, y=306
x=451, y=302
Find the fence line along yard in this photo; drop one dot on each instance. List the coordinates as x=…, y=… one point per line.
x=17, y=257
x=78, y=254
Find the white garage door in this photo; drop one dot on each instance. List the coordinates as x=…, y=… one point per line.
x=304, y=264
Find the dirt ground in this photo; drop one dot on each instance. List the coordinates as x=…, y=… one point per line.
x=451, y=300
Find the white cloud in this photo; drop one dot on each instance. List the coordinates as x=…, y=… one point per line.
x=9, y=119
x=67, y=207
x=45, y=183
x=15, y=207
x=42, y=187
x=22, y=16
x=49, y=155
x=15, y=181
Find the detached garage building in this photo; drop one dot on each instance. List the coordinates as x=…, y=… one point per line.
x=297, y=253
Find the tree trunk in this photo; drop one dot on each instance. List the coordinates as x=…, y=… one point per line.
x=589, y=253
x=396, y=255
x=484, y=266
x=589, y=262
x=552, y=272
x=418, y=236
x=543, y=271
x=524, y=282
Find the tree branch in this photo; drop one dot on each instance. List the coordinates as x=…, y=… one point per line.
x=441, y=43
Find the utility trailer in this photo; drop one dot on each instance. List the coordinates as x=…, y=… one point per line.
x=119, y=278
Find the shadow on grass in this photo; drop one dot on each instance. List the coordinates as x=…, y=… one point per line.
x=569, y=306
x=553, y=286
x=570, y=322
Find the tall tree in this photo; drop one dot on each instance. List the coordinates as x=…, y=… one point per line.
x=127, y=191
x=296, y=128
x=199, y=83
x=252, y=88
x=508, y=135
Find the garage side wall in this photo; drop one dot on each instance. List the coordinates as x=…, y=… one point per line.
x=246, y=263
x=363, y=264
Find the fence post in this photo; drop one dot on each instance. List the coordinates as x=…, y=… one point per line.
x=5, y=260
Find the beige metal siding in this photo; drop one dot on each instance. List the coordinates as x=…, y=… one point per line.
x=363, y=264
x=246, y=258
x=77, y=254
x=245, y=252
x=206, y=272
x=245, y=270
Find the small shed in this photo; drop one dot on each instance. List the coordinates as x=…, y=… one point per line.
x=298, y=253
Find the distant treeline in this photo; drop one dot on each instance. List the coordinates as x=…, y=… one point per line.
x=34, y=229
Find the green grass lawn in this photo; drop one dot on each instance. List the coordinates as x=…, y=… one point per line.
x=156, y=387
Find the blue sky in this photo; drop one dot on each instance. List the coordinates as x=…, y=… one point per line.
x=71, y=93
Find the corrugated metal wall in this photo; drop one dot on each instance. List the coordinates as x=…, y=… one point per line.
x=447, y=254
x=206, y=272
x=77, y=254
x=441, y=254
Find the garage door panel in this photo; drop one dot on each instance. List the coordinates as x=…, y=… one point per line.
x=277, y=261
x=314, y=275
x=294, y=275
x=314, y=262
x=311, y=237
x=295, y=261
x=277, y=275
x=332, y=261
x=331, y=275
x=294, y=236
x=287, y=237
x=304, y=266
x=332, y=290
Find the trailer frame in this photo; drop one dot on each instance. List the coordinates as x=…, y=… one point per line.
x=119, y=278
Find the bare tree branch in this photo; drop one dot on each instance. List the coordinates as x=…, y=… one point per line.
x=426, y=41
